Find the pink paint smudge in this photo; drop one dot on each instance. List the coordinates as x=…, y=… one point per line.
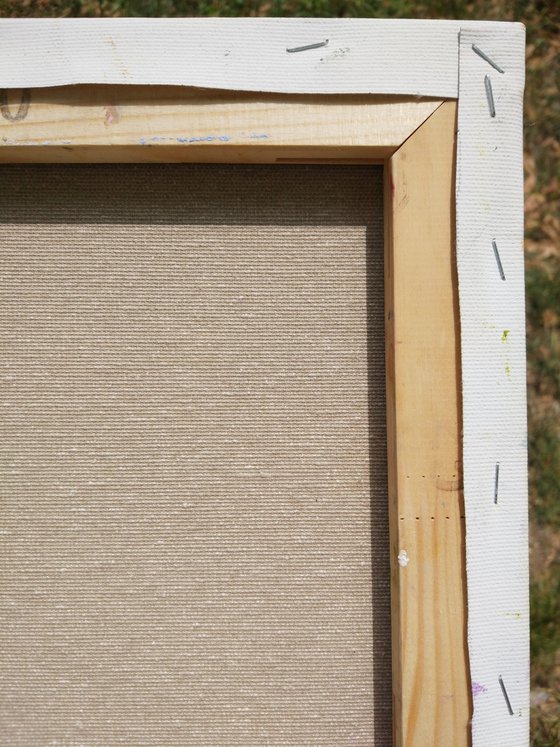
x=478, y=689
x=112, y=115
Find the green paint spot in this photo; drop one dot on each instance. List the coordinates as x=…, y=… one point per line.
x=508, y=371
x=505, y=334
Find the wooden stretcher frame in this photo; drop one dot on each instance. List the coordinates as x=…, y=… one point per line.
x=415, y=140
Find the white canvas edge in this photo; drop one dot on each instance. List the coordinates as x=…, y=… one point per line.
x=421, y=58
x=356, y=56
x=489, y=220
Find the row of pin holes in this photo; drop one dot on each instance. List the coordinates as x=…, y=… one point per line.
x=431, y=517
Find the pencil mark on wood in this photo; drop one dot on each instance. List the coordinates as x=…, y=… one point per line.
x=22, y=110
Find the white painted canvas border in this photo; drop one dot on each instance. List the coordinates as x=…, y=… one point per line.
x=400, y=57
x=405, y=57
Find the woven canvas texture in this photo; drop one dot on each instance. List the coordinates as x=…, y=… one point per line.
x=194, y=532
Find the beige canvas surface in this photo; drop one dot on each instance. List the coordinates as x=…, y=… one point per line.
x=194, y=542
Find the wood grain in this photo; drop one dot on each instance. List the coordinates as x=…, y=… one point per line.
x=430, y=671
x=417, y=137
x=175, y=124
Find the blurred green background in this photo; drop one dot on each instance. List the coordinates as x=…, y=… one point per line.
x=542, y=232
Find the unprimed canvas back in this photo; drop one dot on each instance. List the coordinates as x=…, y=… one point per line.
x=194, y=545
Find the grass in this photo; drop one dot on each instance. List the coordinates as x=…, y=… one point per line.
x=542, y=215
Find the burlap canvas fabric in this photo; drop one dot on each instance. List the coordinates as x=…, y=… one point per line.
x=194, y=532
